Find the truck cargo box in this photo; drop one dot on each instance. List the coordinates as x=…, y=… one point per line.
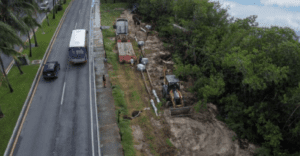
x=126, y=52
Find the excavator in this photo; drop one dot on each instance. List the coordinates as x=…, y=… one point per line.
x=171, y=92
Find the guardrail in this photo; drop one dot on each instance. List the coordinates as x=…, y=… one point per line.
x=13, y=136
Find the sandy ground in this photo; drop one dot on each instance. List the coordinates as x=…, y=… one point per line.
x=199, y=135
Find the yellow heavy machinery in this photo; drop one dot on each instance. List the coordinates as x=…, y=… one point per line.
x=171, y=92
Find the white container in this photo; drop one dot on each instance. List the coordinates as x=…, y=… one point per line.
x=144, y=61
x=141, y=67
x=132, y=61
x=148, y=27
x=141, y=43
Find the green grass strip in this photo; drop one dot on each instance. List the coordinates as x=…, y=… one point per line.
x=124, y=125
x=12, y=103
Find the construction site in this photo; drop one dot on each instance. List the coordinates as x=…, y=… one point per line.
x=162, y=118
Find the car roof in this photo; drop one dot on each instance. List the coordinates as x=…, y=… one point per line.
x=49, y=66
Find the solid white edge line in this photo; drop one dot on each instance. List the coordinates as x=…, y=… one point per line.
x=97, y=122
x=92, y=129
x=63, y=93
x=98, y=135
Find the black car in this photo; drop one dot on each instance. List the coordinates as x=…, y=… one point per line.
x=51, y=69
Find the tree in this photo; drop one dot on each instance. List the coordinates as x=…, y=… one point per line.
x=9, y=38
x=27, y=20
x=7, y=15
x=3, y=69
x=31, y=23
x=21, y=6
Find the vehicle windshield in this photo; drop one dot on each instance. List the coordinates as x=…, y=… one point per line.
x=77, y=51
x=48, y=72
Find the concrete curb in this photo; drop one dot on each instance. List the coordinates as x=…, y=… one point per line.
x=13, y=136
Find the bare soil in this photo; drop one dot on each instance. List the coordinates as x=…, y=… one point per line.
x=199, y=135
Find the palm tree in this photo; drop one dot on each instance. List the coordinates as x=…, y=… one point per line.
x=8, y=7
x=8, y=38
x=31, y=23
x=7, y=10
x=2, y=66
x=27, y=20
x=7, y=15
x=27, y=6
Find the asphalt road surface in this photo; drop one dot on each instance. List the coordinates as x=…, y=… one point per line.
x=52, y=128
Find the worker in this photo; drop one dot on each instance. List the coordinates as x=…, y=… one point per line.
x=104, y=81
x=132, y=62
x=140, y=59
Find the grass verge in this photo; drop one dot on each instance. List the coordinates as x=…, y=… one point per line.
x=12, y=103
x=129, y=91
x=124, y=125
x=107, y=17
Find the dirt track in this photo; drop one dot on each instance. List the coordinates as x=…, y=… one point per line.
x=201, y=134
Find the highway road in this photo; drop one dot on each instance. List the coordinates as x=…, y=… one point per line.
x=61, y=121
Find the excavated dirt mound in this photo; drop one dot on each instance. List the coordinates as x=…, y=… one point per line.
x=204, y=135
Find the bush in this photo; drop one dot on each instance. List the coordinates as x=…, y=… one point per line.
x=262, y=151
